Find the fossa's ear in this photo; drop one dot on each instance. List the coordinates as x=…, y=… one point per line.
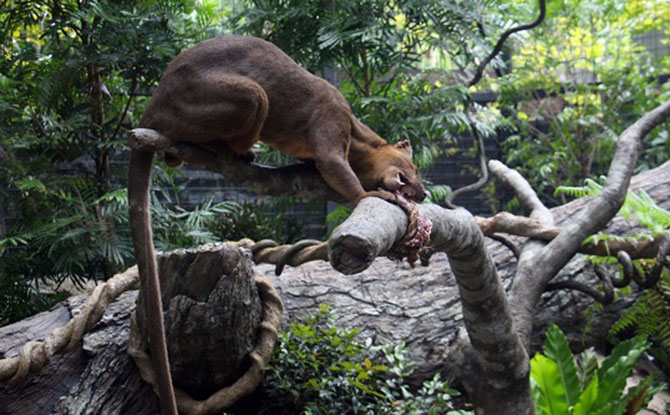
x=405, y=146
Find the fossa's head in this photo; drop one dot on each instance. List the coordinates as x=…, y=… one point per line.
x=393, y=170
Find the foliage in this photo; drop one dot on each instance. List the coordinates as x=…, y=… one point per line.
x=74, y=78
x=561, y=387
x=578, y=81
x=649, y=315
x=637, y=207
x=85, y=236
x=252, y=220
x=337, y=216
x=320, y=369
x=373, y=48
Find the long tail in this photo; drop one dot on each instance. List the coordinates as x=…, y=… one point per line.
x=139, y=184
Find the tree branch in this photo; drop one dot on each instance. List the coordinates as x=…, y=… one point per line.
x=603, y=207
x=501, y=42
x=506, y=222
x=482, y=166
x=523, y=280
x=373, y=228
x=299, y=180
x=538, y=264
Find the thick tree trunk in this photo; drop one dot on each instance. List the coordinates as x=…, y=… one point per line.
x=210, y=298
x=389, y=301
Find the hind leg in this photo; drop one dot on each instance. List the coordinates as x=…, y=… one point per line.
x=217, y=111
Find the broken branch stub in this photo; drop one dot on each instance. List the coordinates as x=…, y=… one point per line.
x=371, y=230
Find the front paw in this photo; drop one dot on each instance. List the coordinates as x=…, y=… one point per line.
x=380, y=193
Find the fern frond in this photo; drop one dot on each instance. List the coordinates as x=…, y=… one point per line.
x=574, y=191
x=649, y=314
x=630, y=318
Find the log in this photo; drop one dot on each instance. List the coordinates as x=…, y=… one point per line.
x=388, y=301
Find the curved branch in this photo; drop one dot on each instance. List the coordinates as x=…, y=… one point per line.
x=507, y=242
x=501, y=42
x=373, y=228
x=603, y=207
x=539, y=264
x=523, y=190
x=482, y=166
x=506, y=222
x=629, y=271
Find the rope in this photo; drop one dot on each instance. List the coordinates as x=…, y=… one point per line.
x=34, y=355
x=413, y=246
x=629, y=272
x=268, y=251
x=247, y=383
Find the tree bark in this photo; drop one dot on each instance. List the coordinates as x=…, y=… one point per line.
x=210, y=298
x=389, y=301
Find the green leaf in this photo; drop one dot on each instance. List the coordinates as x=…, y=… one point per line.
x=621, y=351
x=617, y=368
x=610, y=408
x=587, y=366
x=556, y=348
x=587, y=398
x=550, y=391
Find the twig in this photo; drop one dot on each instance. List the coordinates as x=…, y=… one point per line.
x=507, y=242
x=133, y=85
x=501, y=42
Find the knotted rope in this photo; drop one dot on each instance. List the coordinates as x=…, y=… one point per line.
x=35, y=355
x=247, y=383
x=414, y=245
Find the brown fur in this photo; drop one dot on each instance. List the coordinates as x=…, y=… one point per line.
x=230, y=92
x=236, y=90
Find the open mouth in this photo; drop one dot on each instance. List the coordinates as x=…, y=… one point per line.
x=411, y=191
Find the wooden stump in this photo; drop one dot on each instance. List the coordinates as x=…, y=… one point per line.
x=212, y=312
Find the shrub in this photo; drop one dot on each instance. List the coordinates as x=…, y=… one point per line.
x=320, y=369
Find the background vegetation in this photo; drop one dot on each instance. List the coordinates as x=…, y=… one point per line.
x=76, y=75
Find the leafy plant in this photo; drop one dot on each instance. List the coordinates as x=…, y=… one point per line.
x=649, y=315
x=85, y=236
x=320, y=369
x=638, y=207
x=579, y=80
x=561, y=387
